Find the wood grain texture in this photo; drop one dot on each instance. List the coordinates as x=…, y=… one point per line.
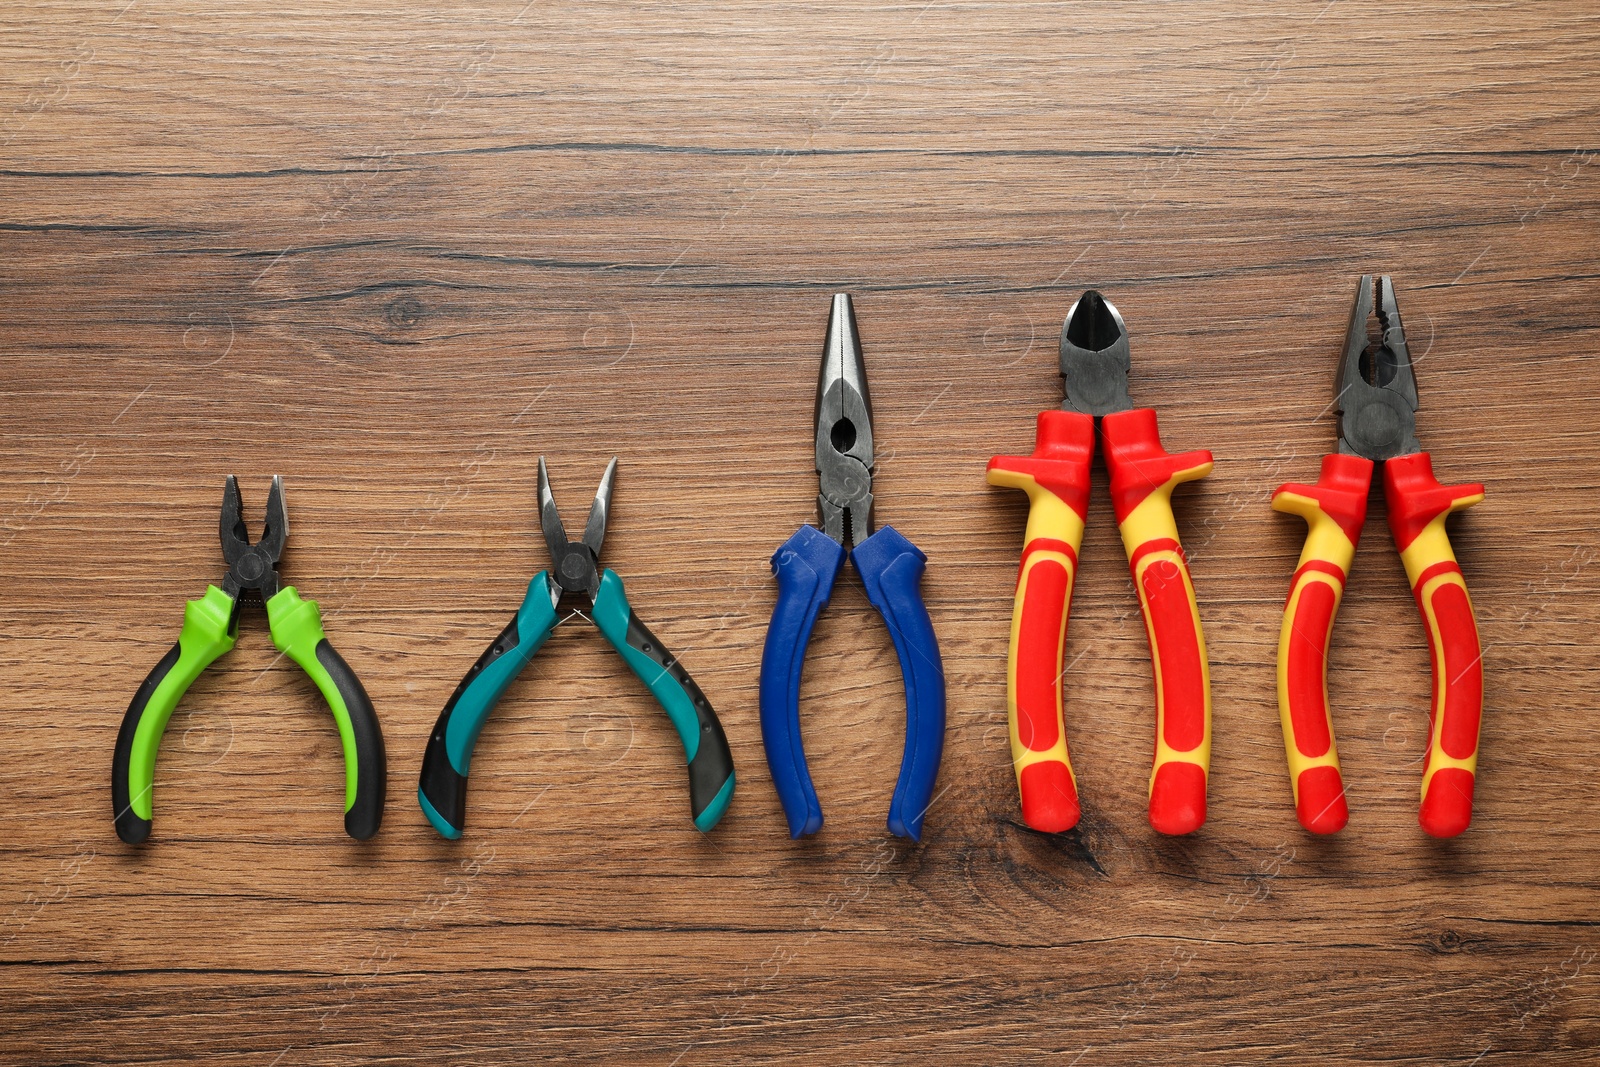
x=396, y=252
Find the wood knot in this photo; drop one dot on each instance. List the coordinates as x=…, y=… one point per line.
x=405, y=312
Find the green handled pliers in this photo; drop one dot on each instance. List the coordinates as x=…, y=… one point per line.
x=442, y=791
x=210, y=627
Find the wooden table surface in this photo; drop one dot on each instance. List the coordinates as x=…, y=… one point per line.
x=397, y=254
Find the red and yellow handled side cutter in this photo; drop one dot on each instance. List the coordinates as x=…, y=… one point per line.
x=1377, y=402
x=1094, y=370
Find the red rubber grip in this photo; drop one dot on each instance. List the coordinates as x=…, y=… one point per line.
x=1334, y=510
x=1418, y=507
x=1044, y=598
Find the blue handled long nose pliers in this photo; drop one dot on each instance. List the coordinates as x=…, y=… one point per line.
x=891, y=570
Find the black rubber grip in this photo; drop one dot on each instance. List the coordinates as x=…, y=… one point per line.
x=440, y=783
x=366, y=813
x=130, y=827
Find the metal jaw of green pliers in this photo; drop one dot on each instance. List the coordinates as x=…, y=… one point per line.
x=210, y=627
x=442, y=791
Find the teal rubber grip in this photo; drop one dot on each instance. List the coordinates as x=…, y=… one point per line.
x=442, y=789
x=705, y=746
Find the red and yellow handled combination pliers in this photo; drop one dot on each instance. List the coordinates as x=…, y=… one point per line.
x=1377, y=403
x=1094, y=370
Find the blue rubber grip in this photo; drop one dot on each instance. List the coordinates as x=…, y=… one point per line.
x=891, y=569
x=442, y=790
x=806, y=567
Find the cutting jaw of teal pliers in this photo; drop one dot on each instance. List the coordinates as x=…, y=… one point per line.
x=575, y=574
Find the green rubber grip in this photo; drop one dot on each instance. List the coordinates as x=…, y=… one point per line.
x=705, y=746
x=297, y=632
x=205, y=636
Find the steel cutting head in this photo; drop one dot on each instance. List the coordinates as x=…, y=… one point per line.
x=844, y=431
x=1376, y=389
x=575, y=564
x=1094, y=357
x=252, y=566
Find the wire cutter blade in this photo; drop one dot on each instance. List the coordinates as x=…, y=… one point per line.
x=1094, y=357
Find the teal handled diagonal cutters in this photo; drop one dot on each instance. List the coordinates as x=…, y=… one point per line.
x=442, y=791
x=210, y=627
